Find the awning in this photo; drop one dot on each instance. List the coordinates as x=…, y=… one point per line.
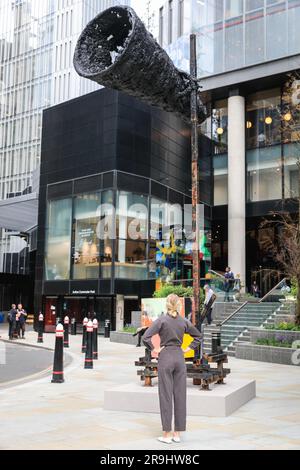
x=19, y=213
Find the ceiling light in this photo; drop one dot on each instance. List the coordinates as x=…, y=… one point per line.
x=287, y=117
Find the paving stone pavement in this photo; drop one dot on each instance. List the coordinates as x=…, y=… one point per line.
x=41, y=415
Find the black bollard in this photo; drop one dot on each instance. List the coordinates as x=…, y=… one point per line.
x=40, y=338
x=88, y=362
x=73, y=327
x=216, y=342
x=84, y=323
x=58, y=365
x=66, y=331
x=95, y=339
x=107, y=329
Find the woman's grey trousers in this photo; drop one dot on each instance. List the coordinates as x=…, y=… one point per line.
x=172, y=387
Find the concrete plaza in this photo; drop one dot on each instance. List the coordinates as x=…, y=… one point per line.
x=41, y=415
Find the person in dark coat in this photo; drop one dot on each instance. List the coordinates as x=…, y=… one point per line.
x=12, y=321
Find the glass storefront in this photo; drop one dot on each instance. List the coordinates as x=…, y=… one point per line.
x=116, y=233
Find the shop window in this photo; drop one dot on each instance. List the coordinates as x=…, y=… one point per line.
x=130, y=260
x=132, y=216
x=86, y=247
x=58, y=239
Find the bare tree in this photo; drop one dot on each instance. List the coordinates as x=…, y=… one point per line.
x=285, y=247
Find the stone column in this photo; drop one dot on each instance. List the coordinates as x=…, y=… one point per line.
x=119, y=313
x=236, y=185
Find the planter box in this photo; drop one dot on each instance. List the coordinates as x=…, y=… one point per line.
x=255, y=352
x=260, y=333
x=122, y=337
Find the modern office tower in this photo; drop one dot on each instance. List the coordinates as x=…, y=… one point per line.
x=248, y=55
x=37, y=40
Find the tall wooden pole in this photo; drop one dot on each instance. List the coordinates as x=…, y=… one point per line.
x=195, y=181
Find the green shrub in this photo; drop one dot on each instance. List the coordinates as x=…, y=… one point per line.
x=129, y=329
x=283, y=326
x=273, y=342
x=168, y=289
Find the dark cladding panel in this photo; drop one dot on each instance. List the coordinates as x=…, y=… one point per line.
x=108, y=180
x=159, y=191
x=60, y=190
x=85, y=185
x=175, y=197
x=132, y=183
x=56, y=288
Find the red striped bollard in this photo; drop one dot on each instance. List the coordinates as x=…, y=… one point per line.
x=95, y=339
x=40, y=338
x=84, y=323
x=66, y=331
x=58, y=365
x=88, y=362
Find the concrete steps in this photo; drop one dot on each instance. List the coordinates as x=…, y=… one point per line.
x=266, y=314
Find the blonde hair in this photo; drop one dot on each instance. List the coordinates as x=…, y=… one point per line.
x=173, y=305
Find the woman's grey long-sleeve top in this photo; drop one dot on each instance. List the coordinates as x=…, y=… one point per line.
x=171, y=331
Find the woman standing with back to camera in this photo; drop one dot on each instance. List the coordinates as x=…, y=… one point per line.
x=171, y=366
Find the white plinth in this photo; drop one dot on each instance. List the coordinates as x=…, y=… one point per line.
x=222, y=400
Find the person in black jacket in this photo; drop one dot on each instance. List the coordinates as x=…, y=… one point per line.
x=12, y=321
x=21, y=319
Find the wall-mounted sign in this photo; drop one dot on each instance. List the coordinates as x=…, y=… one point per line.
x=83, y=292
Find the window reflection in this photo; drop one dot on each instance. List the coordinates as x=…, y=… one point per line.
x=264, y=177
x=86, y=249
x=220, y=180
x=58, y=240
x=219, y=124
x=130, y=260
x=263, y=118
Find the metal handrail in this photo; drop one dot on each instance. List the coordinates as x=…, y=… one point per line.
x=216, y=273
x=235, y=312
x=247, y=302
x=270, y=292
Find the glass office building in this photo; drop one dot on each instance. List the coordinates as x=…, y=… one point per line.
x=37, y=41
x=248, y=54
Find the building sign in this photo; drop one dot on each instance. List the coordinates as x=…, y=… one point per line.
x=83, y=292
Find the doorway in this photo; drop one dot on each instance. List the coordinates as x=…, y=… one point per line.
x=130, y=305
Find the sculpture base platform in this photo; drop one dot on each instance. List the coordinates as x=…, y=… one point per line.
x=220, y=401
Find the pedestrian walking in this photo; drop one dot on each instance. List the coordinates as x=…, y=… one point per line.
x=21, y=316
x=255, y=291
x=171, y=366
x=210, y=298
x=12, y=321
x=228, y=284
